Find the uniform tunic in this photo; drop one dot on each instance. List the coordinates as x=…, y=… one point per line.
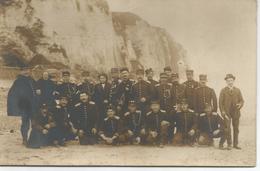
x=205, y=95
x=185, y=121
x=177, y=92
x=110, y=127
x=142, y=89
x=113, y=96
x=189, y=92
x=124, y=93
x=86, y=117
x=134, y=122
x=164, y=95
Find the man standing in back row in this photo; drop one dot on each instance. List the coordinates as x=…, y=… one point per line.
x=230, y=103
x=204, y=95
x=190, y=85
x=142, y=91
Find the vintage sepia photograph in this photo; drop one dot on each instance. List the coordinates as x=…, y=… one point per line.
x=128, y=83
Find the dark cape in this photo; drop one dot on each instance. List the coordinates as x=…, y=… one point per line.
x=22, y=99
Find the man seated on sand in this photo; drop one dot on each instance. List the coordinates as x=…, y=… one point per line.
x=133, y=130
x=208, y=126
x=109, y=130
x=157, y=125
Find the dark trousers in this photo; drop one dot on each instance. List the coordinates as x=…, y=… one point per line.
x=37, y=139
x=225, y=127
x=64, y=133
x=234, y=120
x=25, y=126
x=235, y=123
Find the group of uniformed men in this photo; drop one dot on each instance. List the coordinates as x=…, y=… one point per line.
x=125, y=111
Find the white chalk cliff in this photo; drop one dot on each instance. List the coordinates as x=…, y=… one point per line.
x=81, y=33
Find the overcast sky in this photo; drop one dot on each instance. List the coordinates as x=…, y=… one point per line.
x=219, y=35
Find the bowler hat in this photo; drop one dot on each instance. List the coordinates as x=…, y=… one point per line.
x=230, y=76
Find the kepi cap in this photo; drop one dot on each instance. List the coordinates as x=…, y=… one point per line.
x=203, y=77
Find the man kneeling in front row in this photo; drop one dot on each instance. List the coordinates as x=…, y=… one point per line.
x=110, y=127
x=186, y=125
x=209, y=126
x=157, y=125
x=133, y=131
x=85, y=120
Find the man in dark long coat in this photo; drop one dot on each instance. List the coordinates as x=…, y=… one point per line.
x=23, y=100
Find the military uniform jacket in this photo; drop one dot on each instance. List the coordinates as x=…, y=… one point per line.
x=85, y=116
x=142, y=89
x=208, y=124
x=68, y=89
x=164, y=95
x=111, y=127
x=101, y=93
x=185, y=121
x=153, y=120
x=86, y=87
x=61, y=116
x=134, y=122
x=228, y=100
x=205, y=95
x=113, y=96
x=177, y=92
x=47, y=88
x=189, y=92
x=39, y=121
x=124, y=92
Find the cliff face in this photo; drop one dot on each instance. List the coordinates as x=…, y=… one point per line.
x=145, y=44
x=81, y=33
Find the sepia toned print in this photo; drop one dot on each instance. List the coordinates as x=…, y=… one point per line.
x=128, y=82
